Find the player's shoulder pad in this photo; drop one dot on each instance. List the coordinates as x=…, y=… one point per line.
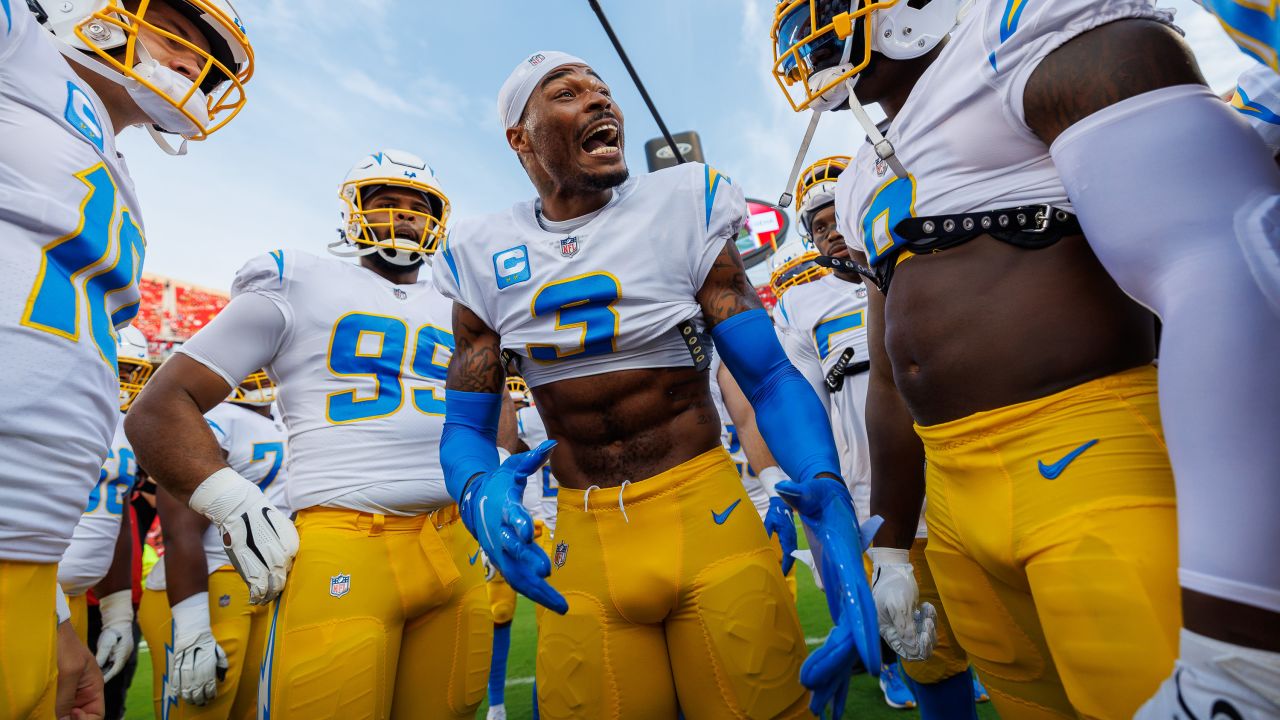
x=270, y=274
x=1018, y=34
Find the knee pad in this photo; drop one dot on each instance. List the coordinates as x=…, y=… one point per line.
x=744, y=604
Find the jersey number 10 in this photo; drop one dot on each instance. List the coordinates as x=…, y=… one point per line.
x=54, y=303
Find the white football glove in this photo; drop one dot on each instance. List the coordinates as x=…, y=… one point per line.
x=198, y=662
x=907, y=625
x=115, y=642
x=259, y=539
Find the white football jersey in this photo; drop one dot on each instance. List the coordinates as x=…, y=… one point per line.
x=360, y=376
x=542, y=489
x=729, y=439
x=71, y=250
x=608, y=296
x=962, y=134
x=93, y=543
x=1257, y=99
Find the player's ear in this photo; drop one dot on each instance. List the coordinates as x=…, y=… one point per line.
x=518, y=139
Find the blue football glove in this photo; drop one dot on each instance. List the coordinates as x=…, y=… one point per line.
x=827, y=510
x=780, y=521
x=491, y=509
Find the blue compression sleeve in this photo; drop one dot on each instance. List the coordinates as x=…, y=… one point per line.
x=469, y=443
x=498, y=669
x=791, y=419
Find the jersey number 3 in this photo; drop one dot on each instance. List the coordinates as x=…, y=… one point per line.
x=373, y=346
x=585, y=304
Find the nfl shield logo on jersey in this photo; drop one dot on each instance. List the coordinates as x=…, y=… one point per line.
x=339, y=585
x=562, y=553
x=569, y=246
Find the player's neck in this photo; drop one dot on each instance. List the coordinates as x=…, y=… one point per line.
x=390, y=272
x=563, y=204
x=263, y=410
x=120, y=107
x=850, y=277
x=900, y=78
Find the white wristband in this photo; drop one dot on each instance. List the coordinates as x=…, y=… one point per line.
x=117, y=608
x=771, y=476
x=888, y=556
x=220, y=494
x=63, y=609
x=191, y=616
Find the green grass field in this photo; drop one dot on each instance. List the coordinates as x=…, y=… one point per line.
x=865, y=700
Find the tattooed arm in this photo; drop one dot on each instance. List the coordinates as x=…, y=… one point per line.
x=727, y=291
x=477, y=356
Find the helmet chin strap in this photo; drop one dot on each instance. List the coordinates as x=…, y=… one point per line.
x=82, y=59
x=785, y=199
x=884, y=149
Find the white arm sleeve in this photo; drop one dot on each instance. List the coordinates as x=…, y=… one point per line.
x=242, y=339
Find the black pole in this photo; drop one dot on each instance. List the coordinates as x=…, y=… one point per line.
x=608, y=29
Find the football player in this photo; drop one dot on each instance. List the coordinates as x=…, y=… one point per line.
x=1034, y=127
x=601, y=287
x=385, y=613
x=207, y=639
x=73, y=246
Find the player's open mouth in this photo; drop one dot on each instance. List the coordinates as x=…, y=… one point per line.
x=602, y=139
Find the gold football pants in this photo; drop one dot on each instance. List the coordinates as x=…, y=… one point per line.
x=675, y=595
x=381, y=617
x=1053, y=541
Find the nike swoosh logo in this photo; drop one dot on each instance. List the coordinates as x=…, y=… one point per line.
x=720, y=517
x=1051, y=472
x=473, y=557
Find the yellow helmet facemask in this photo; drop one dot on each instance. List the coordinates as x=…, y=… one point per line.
x=111, y=32
x=819, y=44
x=257, y=390
x=134, y=374
x=797, y=271
x=517, y=388
x=363, y=222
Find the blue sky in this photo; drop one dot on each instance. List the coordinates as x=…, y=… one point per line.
x=337, y=80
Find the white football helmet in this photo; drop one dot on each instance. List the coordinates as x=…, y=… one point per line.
x=131, y=358
x=258, y=390
x=816, y=189
x=418, y=234
x=109, y=32
x=791, y=265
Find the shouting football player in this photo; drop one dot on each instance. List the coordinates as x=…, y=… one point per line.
x=602, y=287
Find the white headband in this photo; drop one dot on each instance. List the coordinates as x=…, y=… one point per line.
x=515, y=92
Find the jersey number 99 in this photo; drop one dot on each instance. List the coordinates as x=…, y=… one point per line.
x=374, y=346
